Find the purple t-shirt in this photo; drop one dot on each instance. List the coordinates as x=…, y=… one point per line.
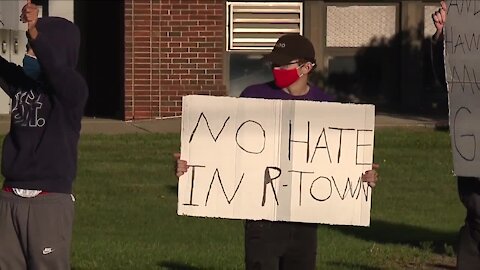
x=270, y=91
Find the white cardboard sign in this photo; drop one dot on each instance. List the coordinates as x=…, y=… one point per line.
x=462, y=67
x=276, y=160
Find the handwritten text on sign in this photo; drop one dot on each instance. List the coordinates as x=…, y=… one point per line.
x=462, y=55
x=276, y=160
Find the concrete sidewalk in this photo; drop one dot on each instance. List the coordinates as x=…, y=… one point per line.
x=172, y=125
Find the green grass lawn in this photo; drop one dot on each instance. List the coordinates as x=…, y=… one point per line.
x=126, y=210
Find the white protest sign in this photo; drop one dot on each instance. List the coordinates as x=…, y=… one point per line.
x=276, y=160
x=462, y=67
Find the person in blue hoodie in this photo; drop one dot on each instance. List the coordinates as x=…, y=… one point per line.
x=39, y=158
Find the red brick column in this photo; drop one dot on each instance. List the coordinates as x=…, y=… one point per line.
x=172, y=48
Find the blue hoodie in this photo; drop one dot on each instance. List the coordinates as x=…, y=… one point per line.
x=40, y=151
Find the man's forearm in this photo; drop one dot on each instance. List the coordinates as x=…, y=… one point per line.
x=438, y=36
x=33, y=33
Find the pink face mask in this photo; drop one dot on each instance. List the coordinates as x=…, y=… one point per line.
x=285, y=77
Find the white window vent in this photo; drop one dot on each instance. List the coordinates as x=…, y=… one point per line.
x=429, y=28
x=358, y=26
x=258, y=25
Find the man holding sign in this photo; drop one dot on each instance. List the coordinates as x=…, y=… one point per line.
x=461, y=62
x=278, y=244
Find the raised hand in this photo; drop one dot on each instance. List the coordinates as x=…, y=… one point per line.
x=439, y=18
x=29, y=14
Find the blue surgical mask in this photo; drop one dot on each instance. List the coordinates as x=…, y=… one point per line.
x=31, y=67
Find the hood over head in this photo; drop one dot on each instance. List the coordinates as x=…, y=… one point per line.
x=64, y=36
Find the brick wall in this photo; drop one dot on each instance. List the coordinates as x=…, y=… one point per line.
x=172, y=48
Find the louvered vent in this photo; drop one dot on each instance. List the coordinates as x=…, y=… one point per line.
x=258, y=25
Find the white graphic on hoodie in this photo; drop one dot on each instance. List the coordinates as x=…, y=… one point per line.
x=26, y=108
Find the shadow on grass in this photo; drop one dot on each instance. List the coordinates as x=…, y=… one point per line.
x=177, y=266
x=442, y=125
x=390, y=233
x=432, y=266
x=173, y=189
x=343, y=265
x=441, y=266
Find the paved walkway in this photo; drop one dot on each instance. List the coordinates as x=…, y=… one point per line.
x=172, y=125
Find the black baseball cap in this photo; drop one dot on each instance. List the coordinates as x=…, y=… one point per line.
x=290, y=47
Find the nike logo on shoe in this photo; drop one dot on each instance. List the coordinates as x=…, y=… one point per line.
x=47, y=251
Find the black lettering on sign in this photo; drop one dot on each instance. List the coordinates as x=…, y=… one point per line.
x=348, y=185
x=474, y=42
x=311, y=189
x=290, y=140
x=325, y=146
x=454, y=3
x=361, y=145
x=192, y=184
x=467, y=6
x=354, y=193
x=465, y=156
x=448, y=37
x=263, y=134
x=468, y=78
x=301, y=180
x=340, y=140
x=229, y=200
x=459, y=43
x=466, y=42
x=202, y=116
x=365, y=188
x=269, y=180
